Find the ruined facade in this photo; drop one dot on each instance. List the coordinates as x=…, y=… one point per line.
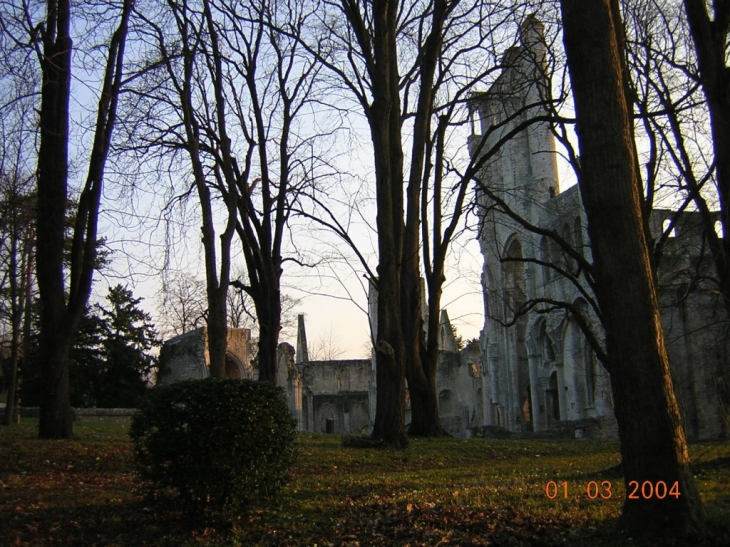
x=539, y=371
x=338, y=396
x=533, y=369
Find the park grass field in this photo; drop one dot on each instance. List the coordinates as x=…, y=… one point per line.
x=435, y=493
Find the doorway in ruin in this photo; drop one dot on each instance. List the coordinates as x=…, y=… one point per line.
x=234, y=368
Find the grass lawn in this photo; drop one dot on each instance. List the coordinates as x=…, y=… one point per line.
x=435, y=493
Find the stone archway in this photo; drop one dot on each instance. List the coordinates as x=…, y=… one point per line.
x=234, y=367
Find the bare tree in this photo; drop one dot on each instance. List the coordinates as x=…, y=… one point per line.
x=242, y=88
x=18, y=130
x=325, y=348
x=17, y=242
x=63, y=304
x=403, y=63
x=182, y=303
x=653, y=448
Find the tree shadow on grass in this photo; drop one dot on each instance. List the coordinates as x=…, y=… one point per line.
x=137, y=523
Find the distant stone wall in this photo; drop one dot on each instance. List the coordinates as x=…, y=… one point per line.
x=186, y=356
x=100, y=415
x=335, y=392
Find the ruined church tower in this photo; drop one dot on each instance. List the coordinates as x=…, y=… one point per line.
x=523, y=176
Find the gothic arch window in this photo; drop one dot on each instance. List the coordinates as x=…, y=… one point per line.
x=514, y=273
x=527, y=409
x=665, y=226
x=567, y=234
x=546, y=345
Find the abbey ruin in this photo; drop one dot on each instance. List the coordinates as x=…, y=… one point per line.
x=533, y=369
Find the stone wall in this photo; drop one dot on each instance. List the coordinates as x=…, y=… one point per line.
x=336, y=391
x=186, y=356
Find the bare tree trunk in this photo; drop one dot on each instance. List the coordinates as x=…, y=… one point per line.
x=653, y=445
x=421, y=357
x=268, y=312
x=217, y=332
x=55, y=418
x=59, y=320
x=19, y=279
x=16, y=318
x=385, y=125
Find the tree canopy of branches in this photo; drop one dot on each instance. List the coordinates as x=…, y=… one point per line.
x=411, y=68
x=229, y=92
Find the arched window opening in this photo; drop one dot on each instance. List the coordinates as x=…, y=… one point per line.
x=665, y=226
x=546, y=345
x=233, y=367
x=590, y=364
x=527, y=409
x=718, y=229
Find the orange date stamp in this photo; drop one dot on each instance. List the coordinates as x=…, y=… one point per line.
x=605, y=490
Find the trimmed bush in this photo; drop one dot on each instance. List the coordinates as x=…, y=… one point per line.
x=216, y=446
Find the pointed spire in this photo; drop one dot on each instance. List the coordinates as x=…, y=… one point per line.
x=302, y=353
x=447, y=341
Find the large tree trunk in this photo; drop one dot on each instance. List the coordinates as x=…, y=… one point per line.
x=653, y=445
x=421, y=361
x=425, y=420
x=268, y=313
x=55, y=417
x=389, y=422
x=59, y=320
x=385, y=127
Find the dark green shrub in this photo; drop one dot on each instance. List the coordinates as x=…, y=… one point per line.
x=217, y=446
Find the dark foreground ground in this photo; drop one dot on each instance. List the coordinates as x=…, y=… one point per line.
x=435, y=493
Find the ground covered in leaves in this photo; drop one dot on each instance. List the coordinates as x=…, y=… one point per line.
x=435, y=493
